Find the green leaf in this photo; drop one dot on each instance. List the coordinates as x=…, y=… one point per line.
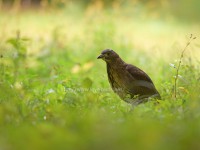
x=87, y=83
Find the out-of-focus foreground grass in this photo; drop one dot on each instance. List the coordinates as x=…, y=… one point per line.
x=54, y=94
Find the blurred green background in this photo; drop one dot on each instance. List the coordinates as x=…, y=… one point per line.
x=54, y=93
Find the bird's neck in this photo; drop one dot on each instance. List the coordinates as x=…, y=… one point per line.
x=116, y=63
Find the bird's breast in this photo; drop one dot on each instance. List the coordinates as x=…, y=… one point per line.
x=119, y=80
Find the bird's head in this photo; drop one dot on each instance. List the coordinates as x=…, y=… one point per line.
x=108, y=55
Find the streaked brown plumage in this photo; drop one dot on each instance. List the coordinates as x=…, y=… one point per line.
x=131, y=83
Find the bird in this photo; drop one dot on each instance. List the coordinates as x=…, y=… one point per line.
x=129, y=82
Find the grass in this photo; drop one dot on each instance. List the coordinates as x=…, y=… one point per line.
x=54, y=93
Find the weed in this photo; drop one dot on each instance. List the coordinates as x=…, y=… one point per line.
x=179, y=65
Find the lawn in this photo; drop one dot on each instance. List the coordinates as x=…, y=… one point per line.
x=54, y=93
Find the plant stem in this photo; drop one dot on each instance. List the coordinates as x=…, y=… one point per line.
x=179, y=64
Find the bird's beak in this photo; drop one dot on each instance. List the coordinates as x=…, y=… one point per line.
x=100, y=56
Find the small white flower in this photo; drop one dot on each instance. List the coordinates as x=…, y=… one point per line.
x=50, y=91
x=172, y=65
x=45, y=117
x=180, y=76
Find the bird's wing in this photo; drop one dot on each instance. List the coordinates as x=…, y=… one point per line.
x=142, y=85
x=137, y=73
